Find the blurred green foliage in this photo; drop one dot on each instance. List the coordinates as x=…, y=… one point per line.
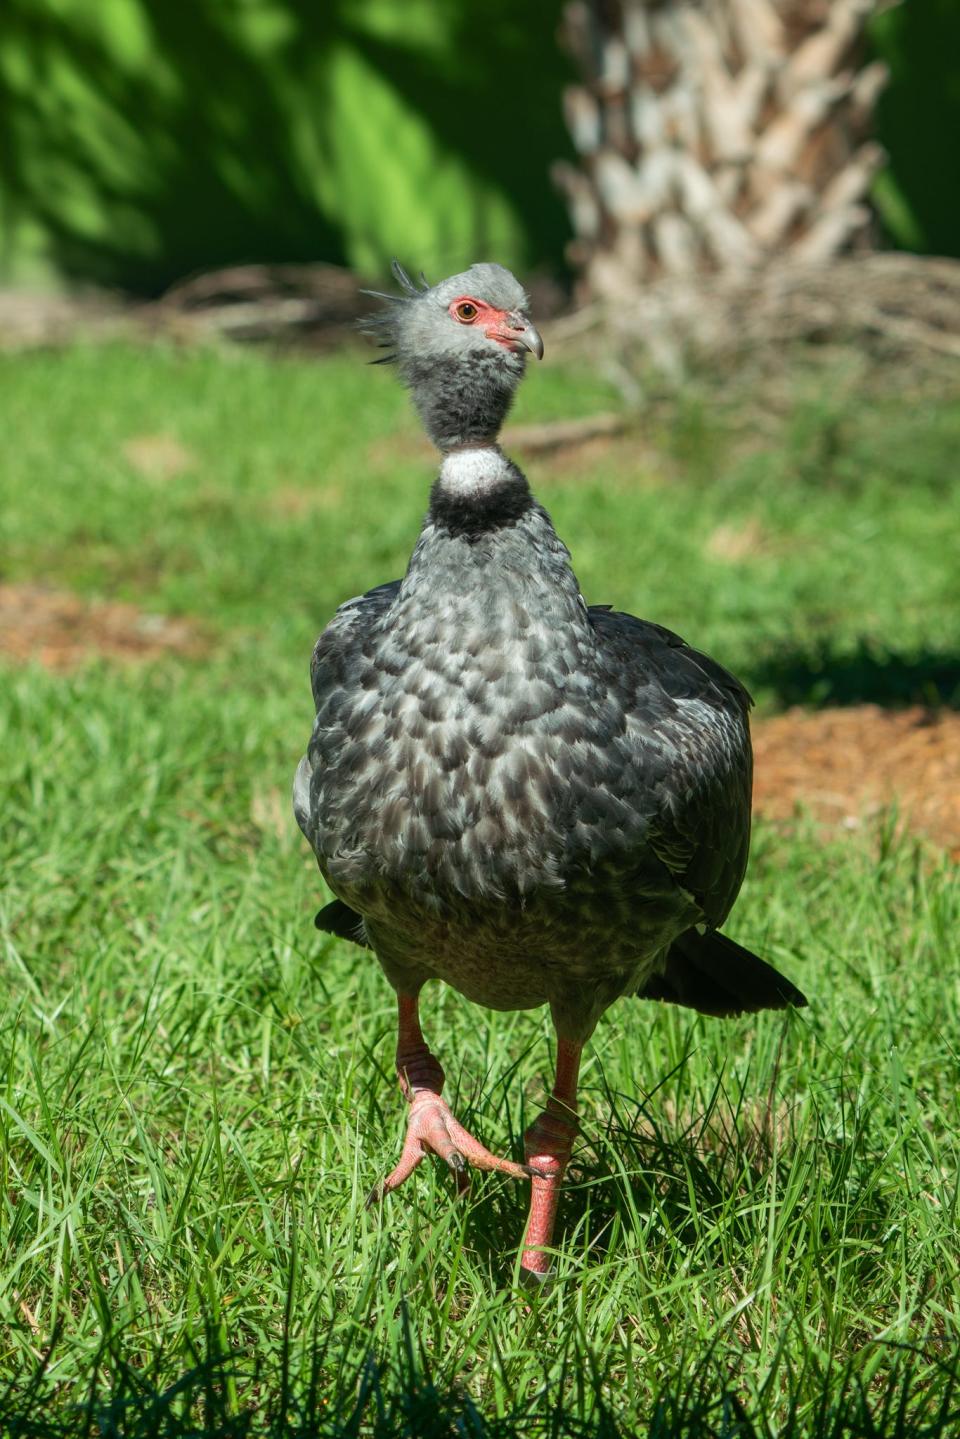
x=918, y=122
x=140, y=141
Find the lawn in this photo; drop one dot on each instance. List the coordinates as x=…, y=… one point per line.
x=760, y=1231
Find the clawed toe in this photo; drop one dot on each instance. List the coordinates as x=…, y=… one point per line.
x=433, y=1128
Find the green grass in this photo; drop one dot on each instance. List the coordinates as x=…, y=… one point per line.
x=759, y=1235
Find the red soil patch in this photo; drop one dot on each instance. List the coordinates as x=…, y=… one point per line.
x=61, y=630
x=846, y=766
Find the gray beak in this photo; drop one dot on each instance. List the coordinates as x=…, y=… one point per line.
x=526, y=334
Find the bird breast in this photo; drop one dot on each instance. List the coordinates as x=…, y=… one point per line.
x=477, y=754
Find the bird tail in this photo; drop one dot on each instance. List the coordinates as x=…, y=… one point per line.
x=339, y=919
x=715, y=975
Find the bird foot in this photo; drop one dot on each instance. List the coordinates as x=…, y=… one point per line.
x=431, y=1126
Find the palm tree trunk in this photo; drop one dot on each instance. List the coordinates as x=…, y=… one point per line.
x=715, y=135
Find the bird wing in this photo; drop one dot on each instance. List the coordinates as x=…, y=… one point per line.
x=336, y=659
x=341, y=643
x=692, y=716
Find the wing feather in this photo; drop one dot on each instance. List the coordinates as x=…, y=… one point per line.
x=339, y=647
x=700, y=828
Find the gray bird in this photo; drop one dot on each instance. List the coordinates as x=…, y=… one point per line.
x=535, y=800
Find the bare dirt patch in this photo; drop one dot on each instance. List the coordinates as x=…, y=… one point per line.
x=295, y=501
x=158, y=457
x=735, y=543
x=848, y=766
x=61, y=630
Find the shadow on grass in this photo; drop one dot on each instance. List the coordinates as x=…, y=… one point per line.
x=865, y=675
x=698, y=1175
x=401, y=1400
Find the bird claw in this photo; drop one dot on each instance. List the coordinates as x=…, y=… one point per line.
x=433, y=1128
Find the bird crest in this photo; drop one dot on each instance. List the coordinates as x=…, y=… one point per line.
x=382, y=325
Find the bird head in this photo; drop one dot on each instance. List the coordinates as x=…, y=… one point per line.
x=460, y=346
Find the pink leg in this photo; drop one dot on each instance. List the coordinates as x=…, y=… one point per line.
x=549, y=1141
x=430, y=1121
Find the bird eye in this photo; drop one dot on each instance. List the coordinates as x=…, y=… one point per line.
x=466, y=311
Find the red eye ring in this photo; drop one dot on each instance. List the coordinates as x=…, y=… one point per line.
x=466, y=312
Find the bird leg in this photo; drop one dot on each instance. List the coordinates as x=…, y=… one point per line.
x=430, y=1121
x=549, y=1141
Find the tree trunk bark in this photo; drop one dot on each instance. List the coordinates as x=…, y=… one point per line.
x=715, y=135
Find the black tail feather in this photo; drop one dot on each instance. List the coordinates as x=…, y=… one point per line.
x=713, y=974
x=339, y=919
